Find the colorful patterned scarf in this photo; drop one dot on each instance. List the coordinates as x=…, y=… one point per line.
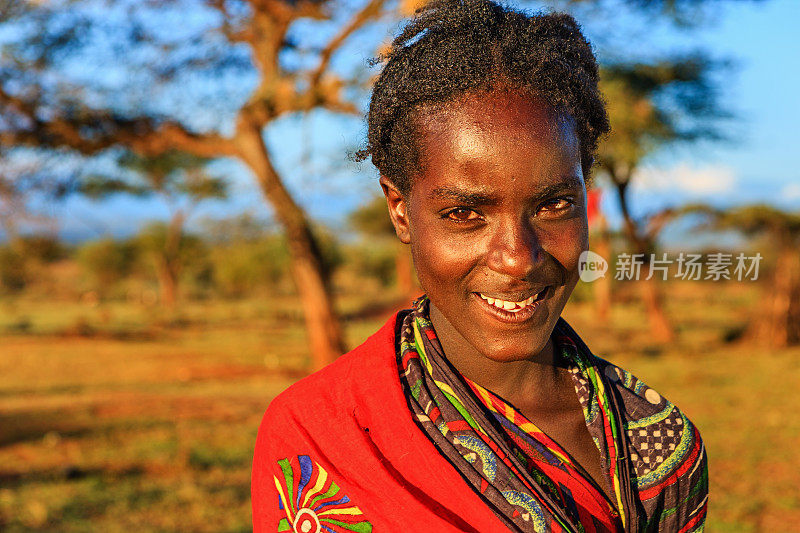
x=526, y=478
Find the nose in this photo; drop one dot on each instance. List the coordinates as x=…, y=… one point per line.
x=515, y=249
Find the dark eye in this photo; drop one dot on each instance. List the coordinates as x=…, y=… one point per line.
x=462, y=214
x=556, y=205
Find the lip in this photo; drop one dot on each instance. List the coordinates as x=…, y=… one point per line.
x=517, y=296
x=516, y=317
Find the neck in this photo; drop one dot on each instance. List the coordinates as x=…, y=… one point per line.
x=516, y=381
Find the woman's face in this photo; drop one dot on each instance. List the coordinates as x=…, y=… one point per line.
x=496, y=219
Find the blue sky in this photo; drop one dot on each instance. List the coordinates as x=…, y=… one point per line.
x=757, y=165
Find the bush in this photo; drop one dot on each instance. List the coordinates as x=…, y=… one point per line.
x=42, y=248
x=376, y=260
x=243, y=267
x=13, y=271
x=106, y=262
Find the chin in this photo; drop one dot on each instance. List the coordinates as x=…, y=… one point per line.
x=503, y=353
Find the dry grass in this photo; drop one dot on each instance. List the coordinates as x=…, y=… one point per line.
x=117, y=418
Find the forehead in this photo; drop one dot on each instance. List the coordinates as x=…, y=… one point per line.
x=496, y=109
x=496, y=135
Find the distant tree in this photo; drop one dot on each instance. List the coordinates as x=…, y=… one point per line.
x=247, y=254
x=244, y=227
x=29, y=237
x=653, y=105
x=42, y=248
x=182, y=182
x=43, y=107
x=170, y=251
x=250, y=255
x=286, y=50
x=776, y=319
x=13, y=272
x=107, y=262
x=373, y=222
x=241, y=267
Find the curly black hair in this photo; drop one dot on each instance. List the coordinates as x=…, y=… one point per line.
x=453, y=48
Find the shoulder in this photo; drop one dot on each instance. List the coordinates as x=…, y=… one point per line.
x=661, y=434
x=314, y=426
x=666, y=450
x=335, y=391
x=643, y=406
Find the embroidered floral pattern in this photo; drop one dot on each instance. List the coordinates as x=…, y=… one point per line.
x=313, y=502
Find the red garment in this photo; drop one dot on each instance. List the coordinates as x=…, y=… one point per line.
x=341, y=451
x=352, y=420
x=527, y=479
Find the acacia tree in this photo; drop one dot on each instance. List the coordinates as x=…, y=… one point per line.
x=43, y=107
x=244, y=40
x=776, y=322
x=181, y=181
x=651, y=106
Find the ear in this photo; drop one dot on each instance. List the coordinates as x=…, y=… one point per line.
x=398, y=209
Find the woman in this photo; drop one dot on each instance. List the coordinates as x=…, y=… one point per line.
x=480, y=409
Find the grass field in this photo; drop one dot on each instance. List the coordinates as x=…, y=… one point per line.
x=118, y=418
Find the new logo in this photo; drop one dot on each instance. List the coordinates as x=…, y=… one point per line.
x=591, y=266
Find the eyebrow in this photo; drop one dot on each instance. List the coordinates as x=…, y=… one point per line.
x=464, y=196
x=570, y=182
x=481, y=196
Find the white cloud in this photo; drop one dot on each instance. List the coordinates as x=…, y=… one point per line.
x=692, y=180
x=791, y=191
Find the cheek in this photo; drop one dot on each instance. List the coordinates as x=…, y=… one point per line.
x=440, y=257
x=567, y=242
x=436, y=257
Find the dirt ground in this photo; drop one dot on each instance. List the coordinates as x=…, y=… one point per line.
x=119, y=418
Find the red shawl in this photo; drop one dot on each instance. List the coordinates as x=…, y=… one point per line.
x=341, y=451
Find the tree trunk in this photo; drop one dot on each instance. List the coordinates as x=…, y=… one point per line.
x=778, y=324
x=793, y=318
x=602, y=286
x=307, y=265
x=167, y=284
x=660, y=326
x=168, y=265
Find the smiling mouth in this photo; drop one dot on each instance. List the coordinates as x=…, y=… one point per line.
x=514, y=307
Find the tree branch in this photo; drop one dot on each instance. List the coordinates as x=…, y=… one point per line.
x=95, y=131
x=371, y=10
x=656, y=222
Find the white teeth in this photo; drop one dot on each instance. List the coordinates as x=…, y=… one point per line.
x=513, y=307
